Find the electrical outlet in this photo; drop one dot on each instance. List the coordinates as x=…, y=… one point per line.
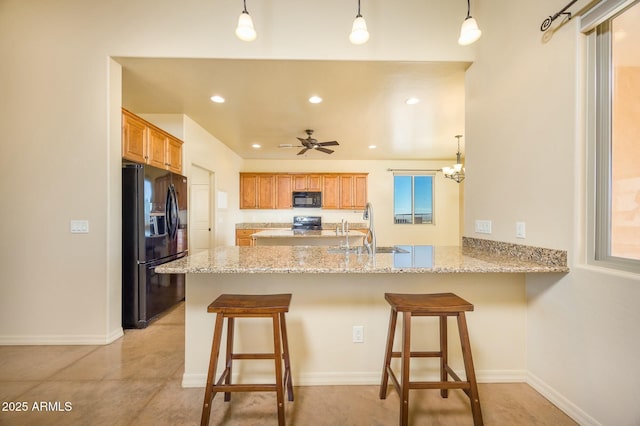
x=358, y=334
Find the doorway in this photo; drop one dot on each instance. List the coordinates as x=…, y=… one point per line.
x=202, y=209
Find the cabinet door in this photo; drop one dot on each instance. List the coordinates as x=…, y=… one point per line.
x=266, y=192
x=243, y=236
x=330, y=192
x=299, y=182
x=359, y=191
x=174, y=155
x=157, y=156
x=283, y=191
x=248, y=191
x=314, y=183
x=134, y=138
x=346, y=191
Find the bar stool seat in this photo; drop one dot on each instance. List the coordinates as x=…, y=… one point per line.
x=442, y=305
x=231, y=306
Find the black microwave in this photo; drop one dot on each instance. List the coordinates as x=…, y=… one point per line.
x=306, y=199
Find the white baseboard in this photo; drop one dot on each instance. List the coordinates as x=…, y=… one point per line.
x=569, y=408
x=61, y=339
x=198, y=380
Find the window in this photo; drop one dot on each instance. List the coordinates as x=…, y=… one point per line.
x=615, y=67
x=412, y=199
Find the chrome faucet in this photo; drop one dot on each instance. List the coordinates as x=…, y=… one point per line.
x=370, y=239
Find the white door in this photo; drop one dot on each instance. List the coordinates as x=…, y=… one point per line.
x=201, y=219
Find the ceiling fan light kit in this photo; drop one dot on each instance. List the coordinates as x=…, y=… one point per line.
x=469, y=32
x=311, y=143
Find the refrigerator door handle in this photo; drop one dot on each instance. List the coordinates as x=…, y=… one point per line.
x=172, y=211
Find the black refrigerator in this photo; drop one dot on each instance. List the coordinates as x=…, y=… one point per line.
x=154, y=231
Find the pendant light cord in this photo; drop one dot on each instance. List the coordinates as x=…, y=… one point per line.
x=468, y=9
x=245, y=7
x=358, y=15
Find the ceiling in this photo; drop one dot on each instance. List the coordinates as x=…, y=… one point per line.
x=267, y=104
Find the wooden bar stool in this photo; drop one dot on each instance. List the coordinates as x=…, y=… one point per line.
x=231, y=306
x=442, y=305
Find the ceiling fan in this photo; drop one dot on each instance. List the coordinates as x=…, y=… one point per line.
x=311, y=143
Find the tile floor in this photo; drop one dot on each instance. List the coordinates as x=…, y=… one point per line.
x=136, y=381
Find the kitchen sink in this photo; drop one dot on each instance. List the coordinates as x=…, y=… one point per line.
x=361, y=249
x=390, y=249
x=355, y=249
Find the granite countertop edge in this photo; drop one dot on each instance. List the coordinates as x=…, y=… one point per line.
x=317, y=260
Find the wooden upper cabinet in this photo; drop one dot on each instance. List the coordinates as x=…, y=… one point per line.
x=157, y=148
x=142, y=142
x=307, y=182
x=257, y=191
x=360, y=196
x=273, y=191
x=248, y=191
x=330, y=192
x=134, y=138
x=353, y=191
x=174, y=154
x=266, y=192
x=283, y=191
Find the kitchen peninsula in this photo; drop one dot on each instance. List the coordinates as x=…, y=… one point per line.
x=335, y=291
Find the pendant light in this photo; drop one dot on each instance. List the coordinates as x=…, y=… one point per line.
x=359, y=33
x=469, y=32
x=245, y=30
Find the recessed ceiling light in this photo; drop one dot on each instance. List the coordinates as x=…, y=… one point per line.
x=412, y=101
x=315, y=99
x=372, y=147
x=217, y=99
x=256, y=145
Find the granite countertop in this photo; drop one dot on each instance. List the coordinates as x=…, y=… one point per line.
x=279, y=233
x=308, y=259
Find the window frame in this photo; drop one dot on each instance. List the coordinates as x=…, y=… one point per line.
x=413, y=175
x=599, y=133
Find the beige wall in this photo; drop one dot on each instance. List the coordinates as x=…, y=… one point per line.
x=526, y=161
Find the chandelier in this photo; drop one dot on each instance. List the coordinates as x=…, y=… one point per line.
x=456, y=172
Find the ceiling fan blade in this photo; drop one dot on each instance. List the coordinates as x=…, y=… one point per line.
x=328, y=151
x=330, y=143
x=303, y=151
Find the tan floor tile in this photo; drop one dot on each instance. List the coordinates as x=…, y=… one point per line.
x=85, y=403
x=38, y=362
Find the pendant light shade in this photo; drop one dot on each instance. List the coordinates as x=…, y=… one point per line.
x=469, y=32
x=245, y=30
x=359, y=33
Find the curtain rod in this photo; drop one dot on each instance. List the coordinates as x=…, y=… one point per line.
x=414, y=170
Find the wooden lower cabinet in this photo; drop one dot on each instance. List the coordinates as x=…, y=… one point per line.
x=243, y=236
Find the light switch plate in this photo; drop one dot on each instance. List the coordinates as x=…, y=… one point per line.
x=79, y=226
x=520, y=230
x=483, y=226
